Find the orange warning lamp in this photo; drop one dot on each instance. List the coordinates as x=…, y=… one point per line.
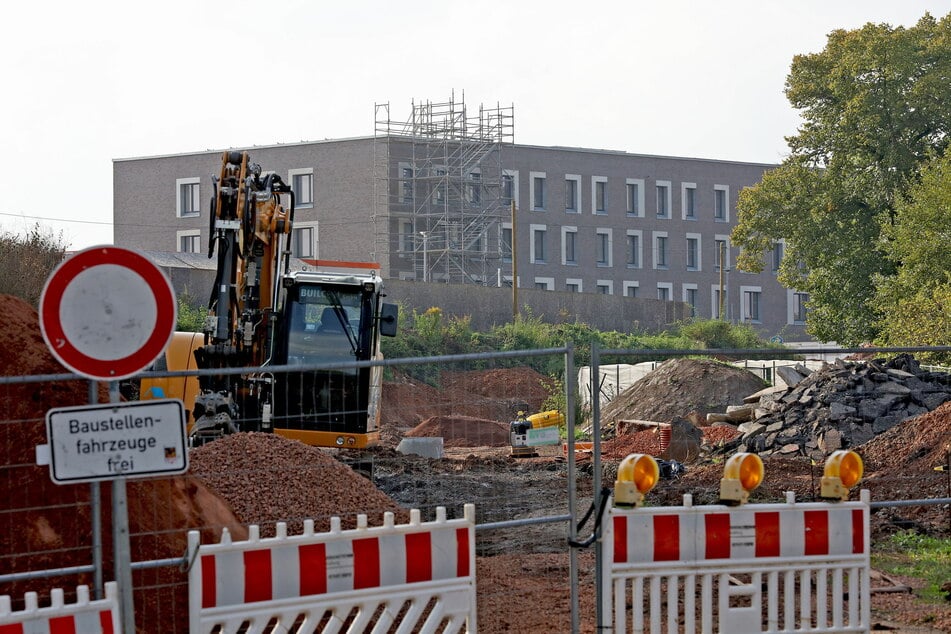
x=636, y=475
x=741, y=475
x=843, y=470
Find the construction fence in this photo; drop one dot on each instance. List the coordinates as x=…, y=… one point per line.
x=262, y=534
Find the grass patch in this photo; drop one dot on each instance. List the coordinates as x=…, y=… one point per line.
x=910, y=554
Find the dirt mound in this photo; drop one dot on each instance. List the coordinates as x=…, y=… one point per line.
x=28, y=533
x=512, y=384
x=498, y=394
x=679, y=387
x=918, y=445
x=463, y=431
x=267, y=478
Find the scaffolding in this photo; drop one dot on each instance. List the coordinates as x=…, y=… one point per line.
x=441, y=194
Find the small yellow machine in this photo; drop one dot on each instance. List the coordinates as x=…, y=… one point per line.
x=537, y=430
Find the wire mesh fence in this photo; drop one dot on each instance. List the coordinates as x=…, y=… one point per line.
x=457, y=409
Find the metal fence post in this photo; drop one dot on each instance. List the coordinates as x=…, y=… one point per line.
x=595, y=379
x=572, y=487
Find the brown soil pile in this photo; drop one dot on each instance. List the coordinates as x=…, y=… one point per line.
x=463, y=431
x=679, y=387
x=497, y=394
x=160, y=511
x=267, y=478
x=918, y=445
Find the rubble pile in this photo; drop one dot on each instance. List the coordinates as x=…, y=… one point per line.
x=842, y=405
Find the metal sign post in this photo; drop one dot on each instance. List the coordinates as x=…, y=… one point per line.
x=107, y=313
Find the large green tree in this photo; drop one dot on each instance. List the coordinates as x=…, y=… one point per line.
x=915, y=303
x=876, y=104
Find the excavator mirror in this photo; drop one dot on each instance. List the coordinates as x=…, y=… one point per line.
x=388, y=315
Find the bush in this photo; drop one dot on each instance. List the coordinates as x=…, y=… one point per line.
x=27, y=262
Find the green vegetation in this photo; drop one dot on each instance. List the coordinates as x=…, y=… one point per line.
x=27, y=261
x=914, y=555
x=875, y=104
x=431, y=333
x=191, y=314
x=915, y=303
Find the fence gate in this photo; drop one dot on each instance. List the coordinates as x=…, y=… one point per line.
x=411, y=577
x=82, y=617
x=754, y=568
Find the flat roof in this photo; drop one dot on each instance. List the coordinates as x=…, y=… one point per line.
x=559, y=148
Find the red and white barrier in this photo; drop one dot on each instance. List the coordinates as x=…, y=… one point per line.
x=753, y=568
x=82, y=617
x=415, y=574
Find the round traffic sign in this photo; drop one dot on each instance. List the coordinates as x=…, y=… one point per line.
x=107, y=312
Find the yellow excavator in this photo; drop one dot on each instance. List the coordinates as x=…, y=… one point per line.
x=261, y=316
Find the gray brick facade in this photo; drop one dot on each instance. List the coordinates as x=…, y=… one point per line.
x=580, y=237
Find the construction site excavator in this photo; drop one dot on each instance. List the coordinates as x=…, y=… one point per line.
x=262, y=315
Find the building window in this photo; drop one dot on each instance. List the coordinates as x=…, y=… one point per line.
x=505, y=246
x=474, y=189
x=660, y=251
x=693, y=251
x=573, y=286
x=545, y=283
x=569, y=236
x=572, y=194
x=721, y=253
x=665, y=290
x=630, y=289
x=508, y=189
x=407, y=237
x=439, y=190
x=189, y=241
x=717, y=309
x=538, y=191
x=188, y=197
x=604, y=287
x=302, y=183
x=635, y=197
x=690, y=297
x=777, y=256
x=633, y=250
x=689, y=193
x=302, y=241
x=539, y=233
x=406, y=184
x=663, y=199
x=721, y=195
x=599, y=194
x=604, y=247
x=800, y=310
x=751, y=303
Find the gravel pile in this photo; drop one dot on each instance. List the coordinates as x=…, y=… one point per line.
x=267, y=478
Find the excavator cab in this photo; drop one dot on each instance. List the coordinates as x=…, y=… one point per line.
x=331, y=320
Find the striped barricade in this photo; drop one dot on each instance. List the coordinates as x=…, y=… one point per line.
x=753, y=568
x=418, y=577
x=82, y=617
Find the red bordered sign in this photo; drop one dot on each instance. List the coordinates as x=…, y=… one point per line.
x=107, y=312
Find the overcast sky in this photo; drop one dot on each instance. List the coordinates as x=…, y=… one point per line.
x=87, y=82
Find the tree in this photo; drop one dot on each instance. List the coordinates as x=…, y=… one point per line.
x=876, y=105
x=916, y=302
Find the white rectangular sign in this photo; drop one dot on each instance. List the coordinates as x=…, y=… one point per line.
x=543, y=436
x=98, y=442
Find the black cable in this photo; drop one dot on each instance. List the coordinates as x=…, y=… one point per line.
x=601, y=503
